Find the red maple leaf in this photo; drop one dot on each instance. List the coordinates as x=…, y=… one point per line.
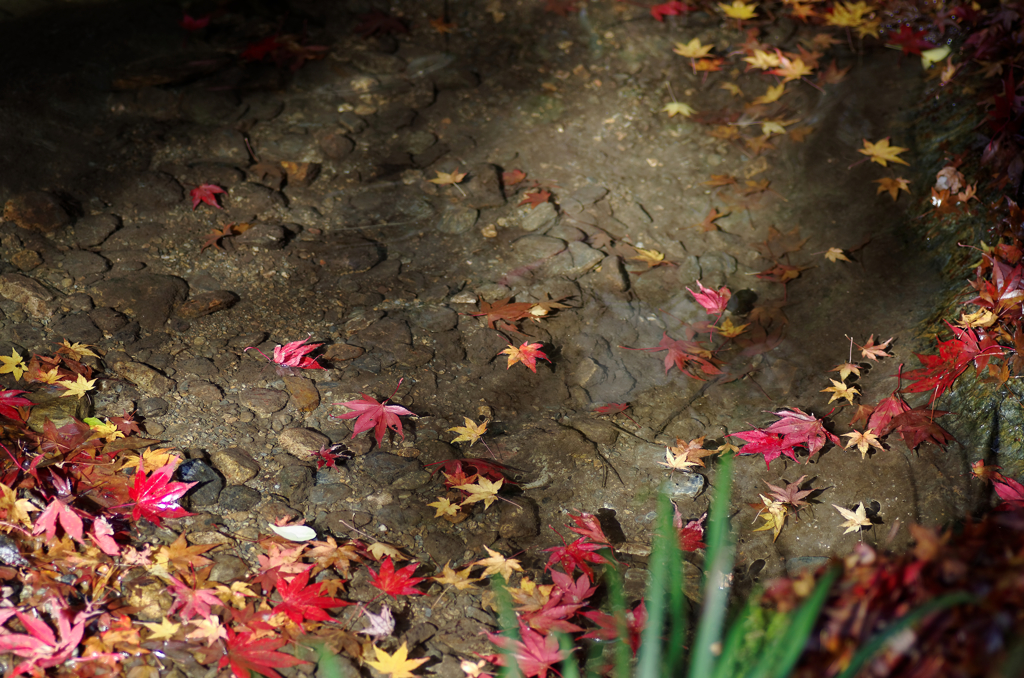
x=527, y=354
x=300, y=602
x=192, y=601
x=1010, y=491
x=206, y=193
x=575, y=555
x=396, y=583
x=770, y=445
x=369, y=413
x=576, y=592
x=917, y=426
x=671, y=8
x=492, y=470
x=589, y=526
x=9, y=399
x=512, y=177
x=713, y=301
x=612, y=408
x=536, y=198
x=691, y=535
x=682, y=352
x=554, y=616
x=59, y=511
x=887, y=409
x=940, y=371
x=156, y=498
x=608, y=629
x=40, y=646
x=909, y=40
x=534, y=654
x=502, y=310
x=258, y=51
x=799, y=428
x=293, y=354
x=126, y=424
x=244, y=655
x=190, y=23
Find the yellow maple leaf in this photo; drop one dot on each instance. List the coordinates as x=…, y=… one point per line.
x=792, y=69
x=482, y=490
x=165, y=630
x=732, y=88
x=153, y=459
x=379, y=550
x=729, y=330
x=835, y=254
x=882, y=152
x=444, y=507
x=692, y=49
x=210, y=629
x=17, y=509
x=981, y=318
x=675, y=108
x=863, y=441
x=848, y=14
x=763, y=60
x=471, y=431
x=107, y=430
x=76, y=351
x=691, y=452
x=854, y=519
x=739, y=10
x=846, y=369
x=676, y=462
x=51, y=377
x=77, y=388
x=499, y=564
x=773, y=94
x=650, y=257
x=235, y=594
x=773, y=515
x=460, y=580
x=892, y=185
x=448, y=178
x=839, y=390
x=397, y=665
x=13, y=364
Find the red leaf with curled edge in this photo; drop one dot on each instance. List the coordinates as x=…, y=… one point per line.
x=909, y=40
x=245, y=655
x=534, y=654
x=155, y=498
x=56, y=512
x=940, y=371
x=502, y=310
x=301, y=600
x=713, y=301
x=770, y=445
x=691, y=535
x=9, y=399
x=576, y=592
x=576, y=555
x=612, y=408
x=492, y=470
x=192, y=601
x=608, y=629
x=1010, y=491
x=536, y=198
x=206, y=193
x=681, y=353
x=799, y=428
x=887, y=409
x=917, y=426
x=396, y=582
x=671, y=8
x=369, y=413
x=589, y=526
x=293, y=354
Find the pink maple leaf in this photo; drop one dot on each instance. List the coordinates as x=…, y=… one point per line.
x=40, y=646
x=770, y=445
x=671, y=8
x=799, y=428
x=713, y=301
x=608, y=629
x=59, y=511
x=681, y=352
x=293, y=354
x=191, y=23
x=206, y=193
x=576, y=592
x=369, y=413
x=9, y=399
x=156, y=498
x=534, y=654
x=192, y=601
x=1010, y=491
x=103, y=535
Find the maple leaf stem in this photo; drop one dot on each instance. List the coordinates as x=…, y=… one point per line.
x=812, y=85
x=859, y=162
x=16, y=463
x=16, y=527
x=258, y=351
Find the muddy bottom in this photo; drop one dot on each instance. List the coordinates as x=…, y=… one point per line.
x=339, y=221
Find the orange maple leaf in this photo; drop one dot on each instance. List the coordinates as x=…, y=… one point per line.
x=526, y=354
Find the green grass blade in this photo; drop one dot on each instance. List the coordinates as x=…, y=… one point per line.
x=677, y=605
x=793, y=644
x=650, y=662
x=570, y=667
x=720, y=559
x=740, y=631
x=617, y=600
x=509, y=625
x=875, y=644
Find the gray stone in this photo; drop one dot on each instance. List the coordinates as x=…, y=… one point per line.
x=302, y=442
x=145, y=377
x=235, y=464
x=352, y=122
x=267, y=236
x=378, y=62
x=334, y=145
x=519, y=520
x=579, y=258
x=434, y=318
x=77, y=327
x=239, y=498
x=537, y=218
x=293, y=483
x=50, y=406
x=588, y=195
x=148, y=297
x=29, y=293
x=386, y=468
x=107, y=319
x=328, y=495
x=412, y=481
x=209, y=484
x=228, y=568
x=457, y=219
x=683, y=485
x=37, y=211
x=206, y=303
x=248, y=201
x=152, y=191
x=443, y=548
x=533, y=247
x=92, y=231
x=264, y=401
x=483, y=188
x=199, y=367
x=79, y=263
x=206, y=392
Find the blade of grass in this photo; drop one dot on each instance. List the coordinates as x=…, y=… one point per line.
x=720, y=558
x=677, y=606
x=792, y=646
x=570, y=667
x=740, y=632
x=650, y=664
x=879, y=639
x=509, y=625
x=617, y=602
